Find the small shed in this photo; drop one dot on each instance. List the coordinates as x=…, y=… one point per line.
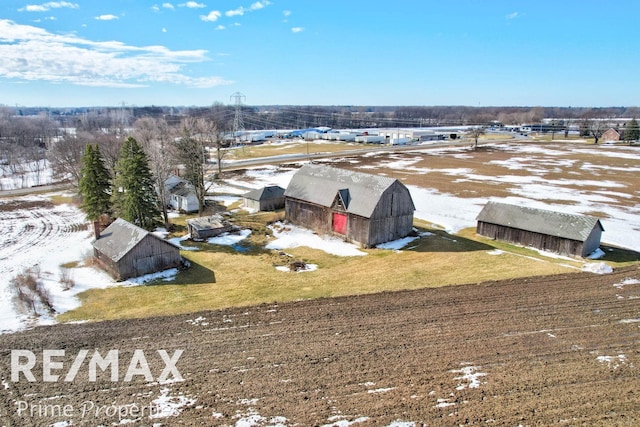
x=562, y=233
x=269, y=198
x=208, y=226
x=125, y=250
x=362, y=208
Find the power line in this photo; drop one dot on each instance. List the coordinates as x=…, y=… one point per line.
x=238, y=122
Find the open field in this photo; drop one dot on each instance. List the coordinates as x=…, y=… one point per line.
x=553, y=350
x=573, y=174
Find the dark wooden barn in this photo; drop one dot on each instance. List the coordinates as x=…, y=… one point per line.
x=562, y=233
x=269, y=198
x=125, y=250
x=208, y=226
x=362, y=208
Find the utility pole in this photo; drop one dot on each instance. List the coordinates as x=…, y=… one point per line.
x=238, y=122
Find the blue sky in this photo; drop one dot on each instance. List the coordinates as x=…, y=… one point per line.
x=350, y=52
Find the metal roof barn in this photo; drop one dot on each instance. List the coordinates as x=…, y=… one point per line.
x=562, y=233
x=125, y=250
x=268, y=198
x=362, y=208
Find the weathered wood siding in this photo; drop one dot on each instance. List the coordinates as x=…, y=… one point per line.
x=252, y=204
x=540, y=241
x=107, y=264
x=272, y=204
x=205, y=233
x=149, y=256
x=392, y=218
x=308, y=215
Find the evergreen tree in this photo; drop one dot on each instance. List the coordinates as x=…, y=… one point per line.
x=134, y=194
x=94, y=186
x=632, y=131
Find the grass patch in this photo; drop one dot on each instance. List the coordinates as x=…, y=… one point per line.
x=72, y=264
x=64, y=199
x=296, y=147
x=221, y=277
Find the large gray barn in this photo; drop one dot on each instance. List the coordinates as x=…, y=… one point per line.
x=362, y=208
x=565, y=234
x=125, y=250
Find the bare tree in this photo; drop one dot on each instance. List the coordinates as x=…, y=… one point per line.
x=475, y=133
x=213, y=138
x=110, y=144
x=65, y=157
x=156, y=138
x=596, y=127
x=192, y=156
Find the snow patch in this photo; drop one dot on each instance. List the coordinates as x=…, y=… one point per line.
x=166, y=275
x=626, y=282
x=396, y=245
x=170, y=406
x=344, y=422
x=613, y=361
x=597, y=254
x=308, y=267
x=597, y=268
x=178, y=242
x=229, y=239
x=470, y=376
x=380, y=390
x=290, y=236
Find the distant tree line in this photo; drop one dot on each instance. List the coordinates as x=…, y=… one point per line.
x=171, y=136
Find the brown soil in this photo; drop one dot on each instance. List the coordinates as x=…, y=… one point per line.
x=533, y=345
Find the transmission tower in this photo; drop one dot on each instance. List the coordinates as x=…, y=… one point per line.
x=238, y=122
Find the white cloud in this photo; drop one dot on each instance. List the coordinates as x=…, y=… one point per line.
x=48, y=6
x=242, y=10
x=221, y=27
x=513, y=15
x=164, y=30
x=106, y=17
x=212, y=16
x=297, y=29
x=193, y=5
x=167, y=6
x=33, y=54
x=235, y=12
x=260, y=5
x=286, y=13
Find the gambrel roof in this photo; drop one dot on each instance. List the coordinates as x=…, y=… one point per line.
x=320, y=184
x=559, y=224
x=119, y=238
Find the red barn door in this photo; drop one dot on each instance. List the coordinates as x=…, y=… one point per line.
x=340, y=223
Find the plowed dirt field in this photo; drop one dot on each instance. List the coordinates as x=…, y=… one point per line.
x=555, y=350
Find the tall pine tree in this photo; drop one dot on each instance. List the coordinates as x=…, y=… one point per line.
x=632, y=131
x=95, y=185
x=134, y=194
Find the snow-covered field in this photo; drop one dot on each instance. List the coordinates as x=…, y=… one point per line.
x=43, y=239
x=25, y=175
